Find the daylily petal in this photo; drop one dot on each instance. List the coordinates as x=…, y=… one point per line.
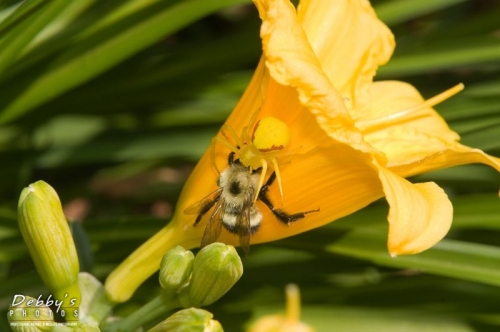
x=292, y=62
x=455, y=155
x=268, y=98
x=350, y=43
x=395, y=120
x=415, y=139
x=420, y=214
x=252, y=98
x=337, y=180
x=397, y=104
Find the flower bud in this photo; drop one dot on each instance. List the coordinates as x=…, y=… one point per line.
x=189, y=320
x=25, y=309
x=175, y=268
x=48, y=237
x=289, y=323
x=216, y=269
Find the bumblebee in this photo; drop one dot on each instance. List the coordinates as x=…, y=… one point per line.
x=233, y=204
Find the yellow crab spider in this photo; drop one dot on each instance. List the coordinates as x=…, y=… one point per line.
x=270, y=136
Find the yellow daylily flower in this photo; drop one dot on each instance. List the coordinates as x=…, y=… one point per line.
x=352, y=140
x=290, y=322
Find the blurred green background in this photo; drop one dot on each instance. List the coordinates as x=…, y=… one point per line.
x=113, y=102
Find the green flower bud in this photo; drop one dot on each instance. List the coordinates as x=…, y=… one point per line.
x=175, y=268
x=216, y=269
x=189, y=320
x=48, y=237
x=28, y=310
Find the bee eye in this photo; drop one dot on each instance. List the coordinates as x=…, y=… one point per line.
x=270, y=134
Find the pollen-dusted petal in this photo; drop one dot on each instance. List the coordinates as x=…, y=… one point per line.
x=349, y=41
x=420, y=214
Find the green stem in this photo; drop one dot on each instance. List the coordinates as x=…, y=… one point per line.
x=151, y=310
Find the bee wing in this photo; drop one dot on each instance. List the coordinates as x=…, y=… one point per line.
x=214, y=224
x=243, y=225
x=203, y=206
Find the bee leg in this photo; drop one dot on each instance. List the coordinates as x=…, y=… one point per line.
x=230, y=158
x=269, y=182
x=281, y=215
x=204, y=209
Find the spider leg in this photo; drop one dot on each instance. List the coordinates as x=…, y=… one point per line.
x=232, y=133
x=224, y=142
x=251, y=123
x=278, y=177
x=261, y=179
x=228, y=133
x=212, y=154
x=281, y=215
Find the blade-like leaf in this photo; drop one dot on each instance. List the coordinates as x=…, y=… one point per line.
x=468, y=261
x=13, y=42
x=444, y=55
x=399, y=11
x=89, y=59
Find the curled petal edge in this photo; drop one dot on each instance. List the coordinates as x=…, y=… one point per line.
x=420, y=215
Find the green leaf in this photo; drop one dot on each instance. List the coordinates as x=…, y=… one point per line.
x=467, y=261
x=486, y=138
x=443, y=55
x=129, y=148
x=16, y=13
x=484, y=89
x=95, y=54
x=399, y=11
x=13, y=42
